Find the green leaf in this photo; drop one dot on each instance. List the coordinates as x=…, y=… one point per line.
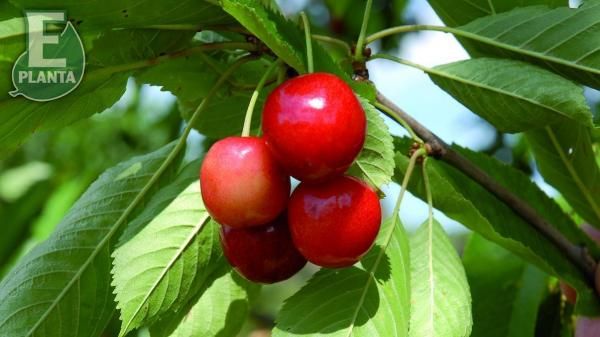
x=459, y=12
x=224, y=116
x=467, y=202
x=513, y=96
x=375, y=163
x=19, y=117
x=109, y=66
x=280, y=35
x=188, y=78
x=562, y=40
x=565, y=158
x=62, y=287
x=12, y=40
x=152, y=279
x=440, y=298
x=286, y=40
x=192, y=77
x=506, y=291
x=8, y=11
x=370, y=299
x=108, y=14
x=222, y=309
x=161, y=199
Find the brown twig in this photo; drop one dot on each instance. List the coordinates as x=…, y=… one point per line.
x=440, y=150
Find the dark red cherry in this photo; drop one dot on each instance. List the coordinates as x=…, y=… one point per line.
x=335, y=223
x=264, y=254
x=315, y=125
x=242, y=184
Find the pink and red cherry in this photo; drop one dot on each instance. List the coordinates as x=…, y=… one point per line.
x=242, y=184
x=333, y=224
x=315, y=126
x=264, y=254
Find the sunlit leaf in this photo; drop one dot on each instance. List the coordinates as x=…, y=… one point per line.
x=440, y=298
x=375, y=164
x=152, y=279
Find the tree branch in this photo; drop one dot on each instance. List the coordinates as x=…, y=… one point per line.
x=440, y=150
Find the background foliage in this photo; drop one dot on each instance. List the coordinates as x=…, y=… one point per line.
x=104, y=233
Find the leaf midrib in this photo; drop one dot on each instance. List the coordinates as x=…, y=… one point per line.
x=199, y=226
x=431, y=277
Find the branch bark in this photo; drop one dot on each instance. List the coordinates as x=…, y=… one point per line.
x=440, y=150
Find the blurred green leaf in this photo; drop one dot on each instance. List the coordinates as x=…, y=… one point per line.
x=456, y=13
x=506, y=291
x=375, y=163
x=110, y=64
x=564, y=156
x=187, y=78
x=56, y=206
x=62, y=287
x=465, y=201
x=367, y=300
x=513, y=96
x=153, y=279
x=8, y=11
x=221, y=310
x=14, y=183
x=109, y=14
x=225, y=116
x=440, y=298
x=17, y=225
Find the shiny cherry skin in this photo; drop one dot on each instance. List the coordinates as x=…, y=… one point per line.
x=242, y=184
x=315, y=125
x=334, y=224
x=264, y=254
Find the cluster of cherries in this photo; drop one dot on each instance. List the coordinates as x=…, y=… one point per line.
x=313, y=129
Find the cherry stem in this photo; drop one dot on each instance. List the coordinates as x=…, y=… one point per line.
x=332, y=40
x=360, y=43
x=401, y=61
x=409, y=171
x=415, y=28
x=254, y=98
x=428, y=191
x=398, y=119
x=307, y=35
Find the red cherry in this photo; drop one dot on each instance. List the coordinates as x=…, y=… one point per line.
x=263, y=254
x=334, y=224
x=315, y=125
x=242, y=184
